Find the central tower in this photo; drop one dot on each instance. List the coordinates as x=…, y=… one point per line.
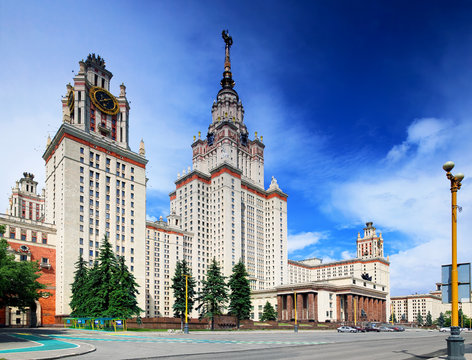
x=222, y=199
x=227, y=140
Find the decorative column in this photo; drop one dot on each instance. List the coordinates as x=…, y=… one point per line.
x=311, y=306
x=290, y=312
x=280, y=316
x=384, y=310
x=338, y=307
x=300, y=313
x=349, y=309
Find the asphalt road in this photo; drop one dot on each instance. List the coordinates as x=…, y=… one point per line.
x=266, y=345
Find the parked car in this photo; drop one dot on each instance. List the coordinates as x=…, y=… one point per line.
x=385, y=329
x=398, y=328
x=372, y=328
x=445, y=329
x=346, y=329
x=359, y=329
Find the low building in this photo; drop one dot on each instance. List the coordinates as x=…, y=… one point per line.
x=407, y=307
x=338, y=291
x=31, y=240
x=346, y=299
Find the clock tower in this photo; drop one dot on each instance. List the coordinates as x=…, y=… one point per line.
x=91, y=107
x=95, y=184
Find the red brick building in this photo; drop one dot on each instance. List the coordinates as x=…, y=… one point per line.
x=31, y=240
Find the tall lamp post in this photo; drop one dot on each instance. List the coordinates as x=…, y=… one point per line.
x=186, y=305
x=455, y=343
x=295, y=327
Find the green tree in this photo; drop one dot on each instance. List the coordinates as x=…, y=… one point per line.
x=93, y=304
x=213, y=295
x=394, y=318
x=240, y=293
x=123, y=301
x=178, y=285
x=419, y=319
x=79, y=289
x=441, y=320
x=106, y=267
x=268, y=313
x=429, y=319
x=19, y=284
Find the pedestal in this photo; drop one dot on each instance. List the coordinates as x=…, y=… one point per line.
x=455, y=344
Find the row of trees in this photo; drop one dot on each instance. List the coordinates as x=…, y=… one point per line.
x=442, y=321
x=19, y=285
x=215, y=293
x=107, y=289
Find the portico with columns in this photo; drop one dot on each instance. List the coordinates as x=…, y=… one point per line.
x=341, y=300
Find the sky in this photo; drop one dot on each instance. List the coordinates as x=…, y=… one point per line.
x=359, y=103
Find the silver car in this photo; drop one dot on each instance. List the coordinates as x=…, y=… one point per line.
x=346, y=329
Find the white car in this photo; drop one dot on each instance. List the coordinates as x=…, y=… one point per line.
x=346, y=329
x=445, y=329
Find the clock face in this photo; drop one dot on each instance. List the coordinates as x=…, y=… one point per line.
x=104, y=101
x=70, y=101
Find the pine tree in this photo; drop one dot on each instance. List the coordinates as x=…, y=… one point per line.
x=240, y=295
x=419, y=319
x=394, y=318
x=123, y=301
x=213, y=295
x=429, y=319
x=106, y=267
x=441, y=320
x=79, y=289
x=268, y=313
x=178, y=285
x=99, y=283
x=93, y=306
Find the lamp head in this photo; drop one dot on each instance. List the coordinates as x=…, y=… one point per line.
x=459, y=177
x=448, y=166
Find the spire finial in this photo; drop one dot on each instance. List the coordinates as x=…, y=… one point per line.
x=227, y=81
x=142, y=150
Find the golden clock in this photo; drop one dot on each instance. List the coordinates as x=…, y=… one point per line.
x=104, y=101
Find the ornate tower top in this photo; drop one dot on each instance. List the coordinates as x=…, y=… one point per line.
x=95, y=61
x=371, y=245
x=227, y=82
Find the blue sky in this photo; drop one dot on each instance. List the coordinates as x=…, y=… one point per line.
x=359, y=103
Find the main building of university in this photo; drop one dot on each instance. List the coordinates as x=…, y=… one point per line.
x=220, y=208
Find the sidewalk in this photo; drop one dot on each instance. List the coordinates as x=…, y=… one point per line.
x=467, y=353
x=28, y=344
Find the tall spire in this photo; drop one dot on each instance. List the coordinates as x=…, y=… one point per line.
x=227, y=81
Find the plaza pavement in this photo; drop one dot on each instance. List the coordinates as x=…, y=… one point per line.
x=55, y=343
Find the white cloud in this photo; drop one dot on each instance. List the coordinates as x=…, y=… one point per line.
x=304, y=239
x=413, y=199
x=346, y=254
x=151, y=218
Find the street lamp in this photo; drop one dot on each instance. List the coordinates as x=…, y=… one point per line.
x=186, y=305
x=295, y=327
x=455, y=343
